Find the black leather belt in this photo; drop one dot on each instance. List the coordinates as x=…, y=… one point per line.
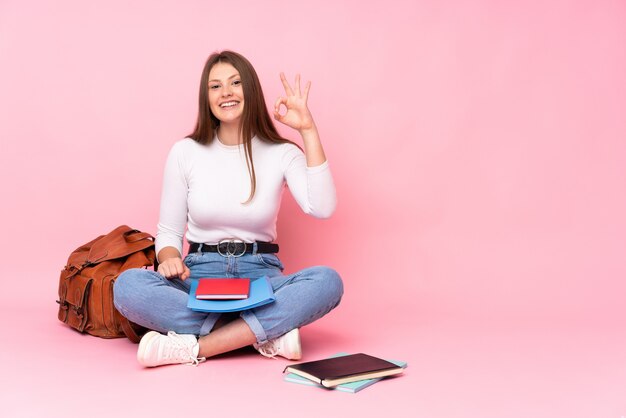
x=234, y=248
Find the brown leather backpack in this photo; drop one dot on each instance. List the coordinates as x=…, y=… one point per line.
x=86, y=283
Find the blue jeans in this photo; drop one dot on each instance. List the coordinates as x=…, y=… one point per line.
x=147, y=298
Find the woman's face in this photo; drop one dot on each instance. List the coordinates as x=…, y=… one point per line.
x=225, y=93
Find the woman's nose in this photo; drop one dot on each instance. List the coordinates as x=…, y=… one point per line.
x=226, y=91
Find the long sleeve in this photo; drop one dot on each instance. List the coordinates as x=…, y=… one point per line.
x=173, y=211
x=312, y=187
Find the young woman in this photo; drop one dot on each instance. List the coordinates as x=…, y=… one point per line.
x=223, y=186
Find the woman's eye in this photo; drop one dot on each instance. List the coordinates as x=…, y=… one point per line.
x=214, y=86
x=236, y=82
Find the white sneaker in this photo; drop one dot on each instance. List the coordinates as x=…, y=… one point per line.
x=156, y=349
x=287, y=346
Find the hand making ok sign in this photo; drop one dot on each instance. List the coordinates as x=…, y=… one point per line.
x=297, y=115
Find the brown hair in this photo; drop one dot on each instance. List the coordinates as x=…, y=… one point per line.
x=255, y=118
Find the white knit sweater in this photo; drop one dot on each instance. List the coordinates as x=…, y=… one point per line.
x=205, y=187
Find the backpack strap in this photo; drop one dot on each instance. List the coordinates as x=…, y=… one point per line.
x=133, y=236
x=129, y=330
x=120, y=242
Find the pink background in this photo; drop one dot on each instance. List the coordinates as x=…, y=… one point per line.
x=478, y=149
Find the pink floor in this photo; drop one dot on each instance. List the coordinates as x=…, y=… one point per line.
x=457, y=368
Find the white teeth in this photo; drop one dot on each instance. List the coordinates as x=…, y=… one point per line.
x=228, y=104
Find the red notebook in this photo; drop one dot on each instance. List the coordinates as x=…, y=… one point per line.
x=223, y=288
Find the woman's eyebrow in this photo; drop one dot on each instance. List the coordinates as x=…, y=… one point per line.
x=232, y=76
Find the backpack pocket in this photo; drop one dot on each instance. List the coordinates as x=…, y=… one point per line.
x=74, y=293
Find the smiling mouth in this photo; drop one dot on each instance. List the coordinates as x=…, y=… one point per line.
x=227, y=105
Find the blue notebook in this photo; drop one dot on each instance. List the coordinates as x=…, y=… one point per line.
x=261, y=293
x=352, y=387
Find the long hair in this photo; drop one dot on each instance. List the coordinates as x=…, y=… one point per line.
x=255, y=118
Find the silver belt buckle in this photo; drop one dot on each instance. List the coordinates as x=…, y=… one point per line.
x=231, y=247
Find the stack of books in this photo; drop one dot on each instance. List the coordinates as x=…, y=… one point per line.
x=343, y=372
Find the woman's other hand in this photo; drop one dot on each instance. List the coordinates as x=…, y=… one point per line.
x=174, y=267
x=297, y=115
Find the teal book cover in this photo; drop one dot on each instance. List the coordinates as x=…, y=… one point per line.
x=352, y=387
x=261, y=293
